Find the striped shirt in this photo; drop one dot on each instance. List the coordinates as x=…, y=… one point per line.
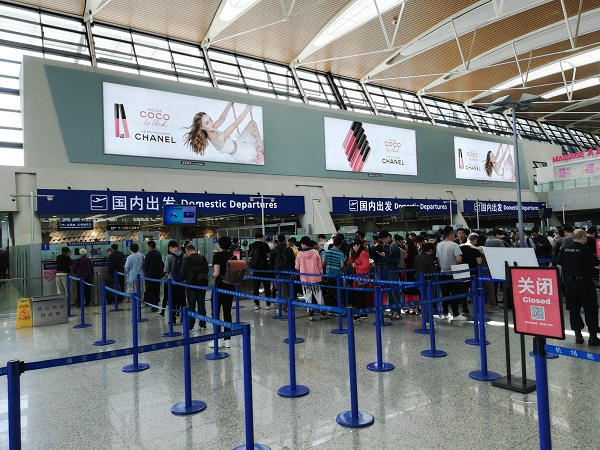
x=333, y=261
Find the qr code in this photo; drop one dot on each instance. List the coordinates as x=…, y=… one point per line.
x=538, y=313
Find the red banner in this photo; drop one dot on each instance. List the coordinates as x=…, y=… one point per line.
x=597, y=247
x=537, y=306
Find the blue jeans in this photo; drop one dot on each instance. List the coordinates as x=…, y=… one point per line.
x=394, y=297
x=195, y=299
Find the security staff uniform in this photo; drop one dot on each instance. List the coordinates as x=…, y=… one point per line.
x=577, y=262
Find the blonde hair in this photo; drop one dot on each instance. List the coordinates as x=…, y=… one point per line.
x=197, y=138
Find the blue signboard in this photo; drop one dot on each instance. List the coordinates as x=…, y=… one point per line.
x=127, y=202
x=373, y=206
x=500, y=207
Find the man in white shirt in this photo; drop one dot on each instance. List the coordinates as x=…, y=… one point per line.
x=449, y=253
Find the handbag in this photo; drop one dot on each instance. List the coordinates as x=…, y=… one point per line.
x=235, y=271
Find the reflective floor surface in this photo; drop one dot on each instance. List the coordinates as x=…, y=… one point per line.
x=424, y=403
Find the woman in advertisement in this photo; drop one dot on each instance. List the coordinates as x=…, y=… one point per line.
x=246, y=148
x=504, y=167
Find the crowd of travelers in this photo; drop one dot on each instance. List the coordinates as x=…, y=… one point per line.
x=381, y=258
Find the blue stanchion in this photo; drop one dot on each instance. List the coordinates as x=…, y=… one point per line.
x=116, y=287
x=82, y=324
x=292, y=323
x=483, y=374
x=541, y=379
x=188, y=406
x=353, y=418
x=382, y=321
x=170, y=313
x=279, y=315
x=432, y=352
x=104, y=341
x=476, y=286
x=14, y=370
x=215, y=354
x=423, y=329
x=292, y=390
x=379, y=365
x=237, y=306
x=69, y=314
x=248, y=406
x=139, y=293
x=136, y=366
x=338, y=286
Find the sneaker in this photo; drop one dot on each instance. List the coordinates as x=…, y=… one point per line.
x=227, y=343
x=202, y=328
x=364, y=316
x=211, y=344
x=578, y=337
x=271, y=306
x=311, y=318
x=459, y=317
x=356, y=319
x=256, y=307
x=396, y=316
x=324, y=315
x=153, y=309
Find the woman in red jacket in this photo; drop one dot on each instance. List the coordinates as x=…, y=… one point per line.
x=359, y=261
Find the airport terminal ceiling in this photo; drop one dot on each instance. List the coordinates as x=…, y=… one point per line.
x=469, y=52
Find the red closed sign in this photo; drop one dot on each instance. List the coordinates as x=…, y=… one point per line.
x=537, y=304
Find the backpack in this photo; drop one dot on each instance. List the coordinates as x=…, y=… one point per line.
x=156, y=267
x=176, y=273
x=200, y=270
x=280, y=262
x=235, y=271
x=255, y=259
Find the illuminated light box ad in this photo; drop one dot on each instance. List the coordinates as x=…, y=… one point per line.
x=484, y=160
x=364, y=147
x=157, y=124
x=537, y=306
x=179, y=214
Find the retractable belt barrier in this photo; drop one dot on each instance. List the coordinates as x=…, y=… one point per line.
x=15, y=368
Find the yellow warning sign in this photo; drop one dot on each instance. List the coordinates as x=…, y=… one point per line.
x=24, y=313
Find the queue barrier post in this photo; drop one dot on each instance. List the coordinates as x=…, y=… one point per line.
x=104, y=341
x=136, y=366
x=139, y=293
x=116, y=287
x=293, y=390
x=383, y=322
x=483, y=374
x=338, y=286
x=541, y=377
x=379, y=365
x=215, y=354
x=292, y=323
x=353, y=418
x=14, y=371
x=279, y=315
x=69, y=314
x=423, y=329
x=476, y=315
x=82, y=323
x=432, y=352
x=188, y=406
x=248, y=405
x=170, y=312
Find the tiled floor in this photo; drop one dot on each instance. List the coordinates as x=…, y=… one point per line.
x=424, y=403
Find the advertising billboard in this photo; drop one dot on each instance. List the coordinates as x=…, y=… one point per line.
x=179, y=214
x=157, y=124
x=484, y=160
x=364, y=147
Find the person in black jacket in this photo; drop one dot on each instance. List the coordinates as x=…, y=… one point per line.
x=153, y=268
x=258, y=252
x=116, y=263
x=282, y=258
x=63, y=268
x=194, y=269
